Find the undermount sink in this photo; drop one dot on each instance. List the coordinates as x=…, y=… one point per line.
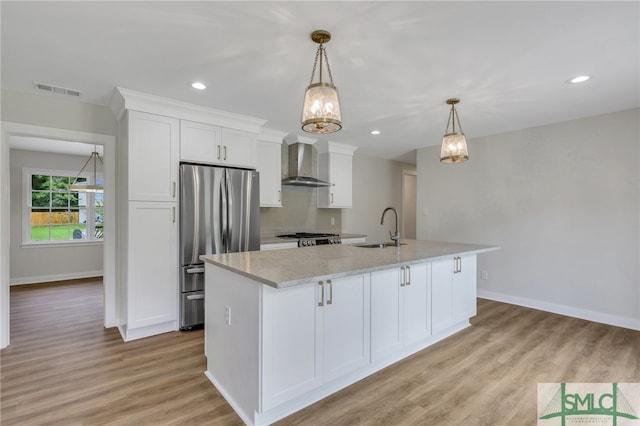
x=380, y=245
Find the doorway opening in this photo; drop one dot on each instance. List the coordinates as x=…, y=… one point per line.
x=409, y=197
x=45, y=155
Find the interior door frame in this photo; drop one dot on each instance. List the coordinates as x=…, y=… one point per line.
x=9, y=129
x=406, y=172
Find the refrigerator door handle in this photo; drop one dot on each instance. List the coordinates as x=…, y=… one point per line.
x=195, y=271
x=195, y=297
x=224, y=212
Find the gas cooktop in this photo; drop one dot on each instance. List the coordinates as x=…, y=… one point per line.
x=307, y=239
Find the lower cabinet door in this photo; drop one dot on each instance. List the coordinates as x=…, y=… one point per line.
x=441, y=294
x=386, y=312
x=346, y=329
x=417, y=318
x=464, y=288
x=152, y=281
x=291, y=344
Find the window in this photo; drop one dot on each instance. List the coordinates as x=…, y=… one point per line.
x=55, y=214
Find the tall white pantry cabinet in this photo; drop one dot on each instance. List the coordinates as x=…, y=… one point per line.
x=149, y=230
x=148, y=160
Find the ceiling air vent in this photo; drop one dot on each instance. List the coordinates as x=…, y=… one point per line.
x=56, y=89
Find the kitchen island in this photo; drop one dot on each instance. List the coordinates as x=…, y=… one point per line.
x=286, y=328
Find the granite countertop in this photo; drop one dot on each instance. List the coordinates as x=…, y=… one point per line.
x=287, y=268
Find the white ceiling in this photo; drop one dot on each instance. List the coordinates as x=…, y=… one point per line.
x=394, y=63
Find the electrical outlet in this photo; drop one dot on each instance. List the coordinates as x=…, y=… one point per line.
x=227, y=315
x=484, y=275
x=333, y=220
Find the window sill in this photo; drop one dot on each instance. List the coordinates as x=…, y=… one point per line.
x=78, y=243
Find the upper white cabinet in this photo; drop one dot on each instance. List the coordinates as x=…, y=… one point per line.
x=153, y=145
x=238, y=148
x=199, y=142
x=335, y=165
x=269, y=165
x=205, y=143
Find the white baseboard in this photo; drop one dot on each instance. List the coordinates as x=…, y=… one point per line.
x=51, y=278
x=147, y=331
x=570, y=311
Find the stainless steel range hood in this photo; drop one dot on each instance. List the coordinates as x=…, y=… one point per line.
x=301, y=167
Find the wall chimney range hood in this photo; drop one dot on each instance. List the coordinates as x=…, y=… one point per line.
x=301, y=167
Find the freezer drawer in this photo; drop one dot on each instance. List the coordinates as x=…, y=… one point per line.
x=191, y=309
x=192, y=278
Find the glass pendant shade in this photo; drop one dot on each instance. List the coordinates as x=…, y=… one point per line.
x=454, y=148
x=321, y=106
x=454, y=143
x=321, y=109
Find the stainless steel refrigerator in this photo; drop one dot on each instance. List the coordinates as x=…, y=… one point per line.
x=219, y=213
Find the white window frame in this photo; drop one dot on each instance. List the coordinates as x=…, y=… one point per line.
x=27, y=172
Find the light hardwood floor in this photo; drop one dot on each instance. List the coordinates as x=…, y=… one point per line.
x=63, y=368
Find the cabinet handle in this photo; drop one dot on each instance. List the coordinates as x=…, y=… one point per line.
x=402, y=277
x=225, y=153
x=330, y=299
x=457, y=264
x=218, y=152
x=332, y=198
x=321, y=302
x=279, y=195
x=173, y=190
x=174, y=214
x=408, y=269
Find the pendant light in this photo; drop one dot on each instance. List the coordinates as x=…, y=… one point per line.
x=321, y=108
x=454, y=144
x=86, y=187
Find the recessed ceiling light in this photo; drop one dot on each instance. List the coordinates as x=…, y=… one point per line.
x=375, y=132
x=198, y=85
x=579, y=79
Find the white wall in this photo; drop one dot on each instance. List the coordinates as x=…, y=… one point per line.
x=31, y=264
x=377, y=184
x=561, y=200
x=52, y=115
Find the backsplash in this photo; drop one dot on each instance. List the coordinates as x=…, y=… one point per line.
x=298, y=213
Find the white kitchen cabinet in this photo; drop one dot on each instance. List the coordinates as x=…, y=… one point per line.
x=335, y=165
x=453, y=284
x=153, y=265
x=346, y=325
x=441, y=294
x=386, y=312
x=417, y=294
x=153, y=145
x=465, y=288
x=205, y=143
x=313, y=334
x=238, y=148
x=199, y=142
x=269, y=165
x=400, y=314
x=291, y=343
